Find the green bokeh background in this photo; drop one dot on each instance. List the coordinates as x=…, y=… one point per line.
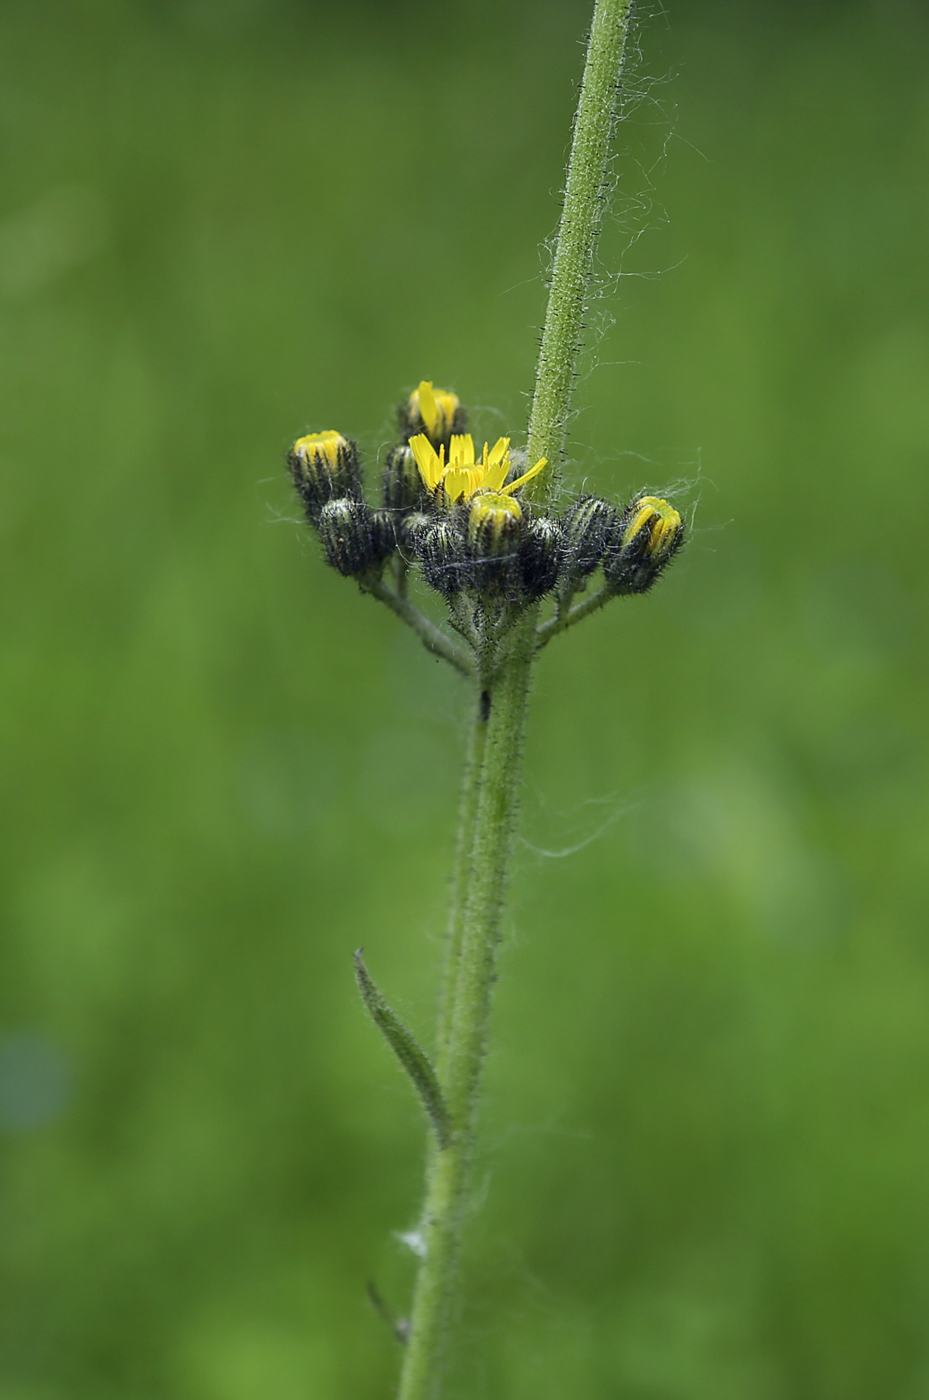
x=704, y=1150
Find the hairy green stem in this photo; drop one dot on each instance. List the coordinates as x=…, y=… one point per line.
x=464, y=854
x=431, y=636
x=492, y=784
x=563, y=620
x=572, y=265
x=502, y=700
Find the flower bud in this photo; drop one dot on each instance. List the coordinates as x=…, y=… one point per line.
x=409, y=527
x=494, y=531
x=648, y=536
x=346, y=534
x=590, y=527
x=541, y=552
x=383, y=535
x=435, y=412
x=402, y=484
x=440, y=548
x=324, y=467
x=493, y=523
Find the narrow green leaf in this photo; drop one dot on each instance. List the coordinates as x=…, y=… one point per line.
x=411, y=1057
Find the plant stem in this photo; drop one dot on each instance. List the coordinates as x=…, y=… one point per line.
x=464, y=851
x=431, y=636
x=572, y=265
x=492, y=779
x=447, y=1173
x=562, y=621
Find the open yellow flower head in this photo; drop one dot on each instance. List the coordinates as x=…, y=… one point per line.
x=435, y=409
x=462, y=477
x=662, y=522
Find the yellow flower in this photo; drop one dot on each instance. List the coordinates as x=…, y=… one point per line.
x=662, y=521
x=462, y=477
x=436, y=408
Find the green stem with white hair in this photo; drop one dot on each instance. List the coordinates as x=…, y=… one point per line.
x=498, y=725
x=573, y=262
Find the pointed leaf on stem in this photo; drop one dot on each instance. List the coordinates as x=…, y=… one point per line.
x=408, y=1052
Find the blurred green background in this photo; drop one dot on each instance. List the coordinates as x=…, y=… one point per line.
x=704, y=1159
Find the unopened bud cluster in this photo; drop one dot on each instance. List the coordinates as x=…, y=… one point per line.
x=461, y=517
x=633, y=546
x=327, y=475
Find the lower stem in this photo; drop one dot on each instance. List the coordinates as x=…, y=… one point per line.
x=492, y=789
x=464, y=853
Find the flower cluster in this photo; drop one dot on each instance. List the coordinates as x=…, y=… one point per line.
x=461, y=518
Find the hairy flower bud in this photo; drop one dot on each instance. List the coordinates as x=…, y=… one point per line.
x=648, y=536
x=494, y=529
x=383, y=534
x=409, y=527
x=435, y=412
x=324, y=467
x=440, y=547
x=590, y=527
x=402, y=487
x=493, y=523
x=347, y=537
x=541, y=552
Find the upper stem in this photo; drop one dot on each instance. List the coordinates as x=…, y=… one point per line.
x=572, y=265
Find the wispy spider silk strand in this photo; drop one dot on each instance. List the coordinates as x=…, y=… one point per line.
x=492, y=778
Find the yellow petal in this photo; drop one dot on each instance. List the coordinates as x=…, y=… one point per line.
x=499, y=450
x=661, y=519
x=428, y=408
x=448, y=406
x=495, y=475
x=456, y=483
x=324, y=444
x=526, y=476
x=462, y=450
x=663, y=531
x=429, y=463
x=641, y=517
